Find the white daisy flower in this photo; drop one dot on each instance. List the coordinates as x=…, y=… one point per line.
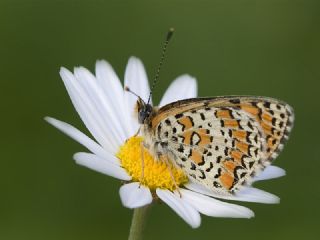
x=107, y=112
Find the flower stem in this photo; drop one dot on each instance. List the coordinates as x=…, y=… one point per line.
x=138, y=223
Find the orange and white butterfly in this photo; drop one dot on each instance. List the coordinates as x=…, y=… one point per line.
x=219, y=142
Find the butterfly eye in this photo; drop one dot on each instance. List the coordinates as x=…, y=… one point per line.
x=144, y=113
x=142, y=116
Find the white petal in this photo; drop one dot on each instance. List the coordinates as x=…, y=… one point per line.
x=247, y=194
x=250, y=194
x=215, y=208
x=87, y=112
x=102, y=165
x=136, y=79
x=134, y=196
x=270, y=172
x=183, y=209
x=79, y=137
x=109, y=82
x=101, y=105
x=183, y=87
x=113, y=90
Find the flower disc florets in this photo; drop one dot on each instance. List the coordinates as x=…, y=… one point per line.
x=156, y=173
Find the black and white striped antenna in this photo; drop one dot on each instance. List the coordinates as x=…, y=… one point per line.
x=164, y=49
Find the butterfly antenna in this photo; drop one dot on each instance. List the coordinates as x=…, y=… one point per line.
x=126, y=88
x=164, y=49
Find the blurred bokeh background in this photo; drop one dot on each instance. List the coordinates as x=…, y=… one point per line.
x=256, y=47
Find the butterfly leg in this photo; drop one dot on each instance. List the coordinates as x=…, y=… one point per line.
x=142, y=161
x=136, y=134
x=165, y=159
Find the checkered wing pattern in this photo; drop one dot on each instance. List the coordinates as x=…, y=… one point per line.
x=223, y=142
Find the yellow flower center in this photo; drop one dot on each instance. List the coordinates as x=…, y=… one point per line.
x=156, y=173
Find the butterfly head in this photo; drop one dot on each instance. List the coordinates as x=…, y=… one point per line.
x=144, y=111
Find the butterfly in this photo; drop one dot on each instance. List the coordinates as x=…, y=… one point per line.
x=219, y=142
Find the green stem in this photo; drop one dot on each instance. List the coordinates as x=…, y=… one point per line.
x=138, y=223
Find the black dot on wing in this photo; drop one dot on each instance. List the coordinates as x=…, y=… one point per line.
x=203, y=175
x=226, y=151
x=167, y=121
x=191, y=120
x=260, y=113
x=254, y=104
x=234, y=101
x=210, y=167
x=251, y=164
x=218, y=173
x=202, y=161
x=242, y=175
x=179, y=115
x=248, y=137
x=202, y=116
x=181, y=148
x=193, y=166
x=164, y=144
x=267, y=104
x=174, y=130
x=281, y=124
x=250, y=125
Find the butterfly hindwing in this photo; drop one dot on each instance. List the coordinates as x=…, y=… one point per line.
x=223, y=142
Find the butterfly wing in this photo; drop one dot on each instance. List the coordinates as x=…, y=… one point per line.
x=223, y=142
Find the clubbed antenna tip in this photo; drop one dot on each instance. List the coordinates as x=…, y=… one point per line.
x=170, y=33
x=126, y=88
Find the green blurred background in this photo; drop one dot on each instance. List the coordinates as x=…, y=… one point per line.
x=262, y=47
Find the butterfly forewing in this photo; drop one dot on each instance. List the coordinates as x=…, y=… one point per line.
x=223, y=142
